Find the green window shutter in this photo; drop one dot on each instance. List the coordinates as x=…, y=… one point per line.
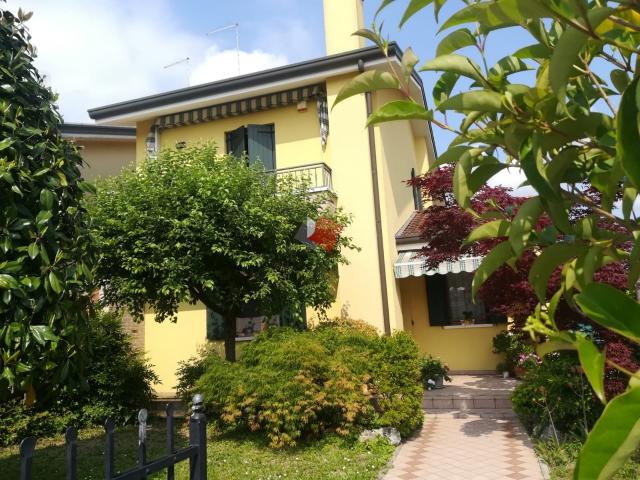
x=236, y=142
x=215, y=325
x=437, y=300
x=262, y=145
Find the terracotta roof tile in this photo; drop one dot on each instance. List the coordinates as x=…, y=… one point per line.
x=413, y=227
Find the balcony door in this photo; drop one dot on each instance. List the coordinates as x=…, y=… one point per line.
x=257, y=141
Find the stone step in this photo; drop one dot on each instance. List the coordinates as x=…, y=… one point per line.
x=466, y=403
x=492, y=413
x=158, y=406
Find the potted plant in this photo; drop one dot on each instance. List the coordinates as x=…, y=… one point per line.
x=468, y=317
x=502, y=369
x=434, y=372
x=526, y=361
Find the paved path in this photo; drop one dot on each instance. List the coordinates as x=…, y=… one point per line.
x=468, y=443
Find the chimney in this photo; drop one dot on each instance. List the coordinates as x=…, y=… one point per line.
x=341, y=19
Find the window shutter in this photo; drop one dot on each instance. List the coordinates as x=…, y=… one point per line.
x=236, y=142
x=215, y=325
x=262, y=145
x=437, y=300
x=294, y=317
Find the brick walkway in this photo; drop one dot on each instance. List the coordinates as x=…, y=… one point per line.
x=467, y=443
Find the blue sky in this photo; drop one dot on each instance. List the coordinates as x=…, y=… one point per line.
x=103, y=51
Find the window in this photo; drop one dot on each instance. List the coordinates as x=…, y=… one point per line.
x=450, y=303
x=250, y=322
x=256, y=141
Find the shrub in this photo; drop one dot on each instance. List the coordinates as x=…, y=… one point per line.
x=555, y=395
x=290, y=385
x=118, y=382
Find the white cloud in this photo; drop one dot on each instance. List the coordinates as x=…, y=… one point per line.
x=512, y=177
x=219, y=64
x=100, y=52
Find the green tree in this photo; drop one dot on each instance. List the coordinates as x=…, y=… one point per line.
x=45, y=256
x=193, y=225
x=572, y=125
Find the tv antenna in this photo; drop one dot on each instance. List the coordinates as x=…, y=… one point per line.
x=235, y=26
x=180, y=62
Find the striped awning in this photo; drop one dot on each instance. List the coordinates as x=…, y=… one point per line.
x=411, y=263
x=240, y=107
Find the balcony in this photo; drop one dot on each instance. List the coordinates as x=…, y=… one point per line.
x=318, y=175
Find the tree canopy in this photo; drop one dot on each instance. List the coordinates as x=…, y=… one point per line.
x=564, y=109
x=197, y=226
x=45, y=249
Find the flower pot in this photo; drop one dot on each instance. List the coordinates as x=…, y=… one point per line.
x=505, y=374
x=439, y=381
x=519, y=371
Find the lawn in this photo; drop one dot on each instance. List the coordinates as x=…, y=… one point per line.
x=560, y=460
x=228, y=457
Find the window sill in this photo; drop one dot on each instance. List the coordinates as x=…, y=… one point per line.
x=475, y=325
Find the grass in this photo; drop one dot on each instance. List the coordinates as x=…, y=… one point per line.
x=228, y=457
x=561, y=459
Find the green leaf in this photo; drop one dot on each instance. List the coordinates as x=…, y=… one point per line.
x=498, y=14
x=54, y=281
x=454, y=63
x=620, y=79
x=493, y=229
x=6, y=143
x=46, y=199
x=7, y=281
x=450, y=156
x=455, y=41
x=592, y=361
x=523, y=224
x=613, y=439
x=507, y=66
x=480, y=100
x=484, y=172
x=629, y=195
x=444, y=86
x=370, y=35
x=545, y=264
x=628, y=134
x=33, y=250
x=414, y=7
x=634, y=262
x=399, y=110
x=567, y=50
x=537, y=51
x=42, y=334
x=409, y=61
x=383, y=5
x=367, y=82
x=611, y=308
x=461, y=190
x=497, y=257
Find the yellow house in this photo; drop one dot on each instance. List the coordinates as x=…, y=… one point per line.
x=282, y=117
x=105, y=149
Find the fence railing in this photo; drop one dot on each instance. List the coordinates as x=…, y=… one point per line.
x=195, y=452
x=317, y=174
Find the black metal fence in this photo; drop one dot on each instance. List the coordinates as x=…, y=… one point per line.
x=195, y=452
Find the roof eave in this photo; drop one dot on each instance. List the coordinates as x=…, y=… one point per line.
x=129, y=112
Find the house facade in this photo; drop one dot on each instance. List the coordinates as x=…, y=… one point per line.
x=283, y=118
x=105, y=149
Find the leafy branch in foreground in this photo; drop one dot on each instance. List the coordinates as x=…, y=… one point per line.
x=565, y=110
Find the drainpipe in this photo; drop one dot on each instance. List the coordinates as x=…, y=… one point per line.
x=376, y=210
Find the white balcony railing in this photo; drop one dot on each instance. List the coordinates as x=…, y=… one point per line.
x=318, y=175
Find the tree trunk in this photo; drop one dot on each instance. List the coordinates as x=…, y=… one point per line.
x=230, y=336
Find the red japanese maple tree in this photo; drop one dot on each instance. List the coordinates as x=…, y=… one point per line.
x=445, y=225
